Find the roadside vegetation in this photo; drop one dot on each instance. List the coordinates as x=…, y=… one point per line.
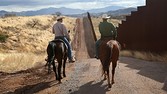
x=145, y=55
x=23, y=40
x=13, y=62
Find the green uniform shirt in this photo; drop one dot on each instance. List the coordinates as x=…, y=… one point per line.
x=107, y=29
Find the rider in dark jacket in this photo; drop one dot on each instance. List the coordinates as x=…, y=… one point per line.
x=107, y=30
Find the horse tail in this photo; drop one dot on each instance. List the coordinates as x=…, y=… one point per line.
x=112, y=53
x=116, y=50
x=107, y=61
x=51, y=51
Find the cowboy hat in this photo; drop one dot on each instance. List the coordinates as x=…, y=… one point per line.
x=105, y=16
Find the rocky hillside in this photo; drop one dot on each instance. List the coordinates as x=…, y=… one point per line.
x=28, y=34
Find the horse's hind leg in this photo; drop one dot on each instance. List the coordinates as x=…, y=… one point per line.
x=59, y=69
x=114, y=64
x=105, y=76
x=49, y=67
x=64, y=66
x=54, y=69
x=49, y=63
x=108, y=76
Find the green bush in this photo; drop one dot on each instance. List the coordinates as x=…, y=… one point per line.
x=3, y=37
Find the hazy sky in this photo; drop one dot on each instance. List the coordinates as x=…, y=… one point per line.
x=23, y=5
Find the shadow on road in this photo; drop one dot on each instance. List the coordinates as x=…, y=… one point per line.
x=154, y=70
x=90, y=88
x=31, y=89
x=165, y=85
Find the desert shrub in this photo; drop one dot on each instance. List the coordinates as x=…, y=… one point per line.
x=3, y=37
x=34, y=22
x=9, y=15
x=58, y=13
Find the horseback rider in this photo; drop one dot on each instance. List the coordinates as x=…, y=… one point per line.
x=107, y=30
x=61, y=32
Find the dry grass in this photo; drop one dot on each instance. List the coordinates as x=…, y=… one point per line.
x=13, y=62
x=32, y=33
x=29, y=34
x=145, y=55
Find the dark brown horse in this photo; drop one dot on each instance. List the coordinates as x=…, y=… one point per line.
x=57, y=50
x=109, y=52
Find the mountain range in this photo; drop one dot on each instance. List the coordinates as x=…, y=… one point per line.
x=70, y=11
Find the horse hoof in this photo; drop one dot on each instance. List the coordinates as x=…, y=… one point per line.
x=105, y=79
x=49, y=71
x=109, y=86
x=59, y=82
x=113, y=83
x=57, y=79
x=64, y=75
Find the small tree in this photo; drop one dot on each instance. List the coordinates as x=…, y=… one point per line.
x=33, y=23
x=58, y=13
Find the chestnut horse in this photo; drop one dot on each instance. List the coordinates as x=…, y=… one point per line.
x=109, y=52
x=57, y=49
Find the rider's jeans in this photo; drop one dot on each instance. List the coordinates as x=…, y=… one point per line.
x=68, y=44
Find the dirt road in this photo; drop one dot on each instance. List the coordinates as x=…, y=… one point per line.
x=133, y=76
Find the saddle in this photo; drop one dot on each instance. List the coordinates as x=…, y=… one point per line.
x=59, y=40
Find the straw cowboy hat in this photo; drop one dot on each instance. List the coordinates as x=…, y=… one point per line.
x=105, y=16
x=60, y=17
